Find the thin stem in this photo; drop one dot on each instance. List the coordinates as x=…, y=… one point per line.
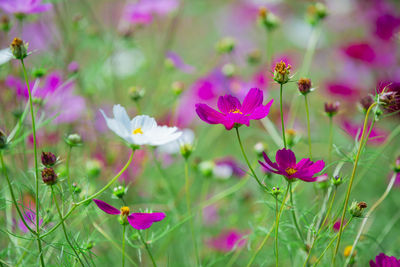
x=253, y=257
x=75, y=205
x=123, y=245
x=330, y=139
x=63, y=226
x=247, y=160
x=67, y=169
x=308, y=126
x=330, y=244
x=294, y=214
x=368, y=215
x=351, y=183
x=189, y=210
x=320, y=228
x=277, y=226
x=36, y=161
x=282, y=120
x=147, y=249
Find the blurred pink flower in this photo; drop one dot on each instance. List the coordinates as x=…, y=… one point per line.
x=210, y=215
x=377, y=136
x=143, y=11
x=232, y=163
x=178, y=62
x=386, y=25
x=360, y=51
x=73, y=67
x=24, y=6
x=227, y=241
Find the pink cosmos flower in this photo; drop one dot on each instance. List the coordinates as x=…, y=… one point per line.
x=142, y=12
x=286, y=166
x=30, y=219
x=227, y=241
x=336, y=225
x=138, y=221
x=386, y=25
x=383, y=260
x=376, y=137
x=24, y=6
x=233, y=113
x=235, y=166
x=361, y=51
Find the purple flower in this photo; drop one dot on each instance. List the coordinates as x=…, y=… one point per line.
x=361, y=51
x=30, y=219
x=227, y=241
x=233, y=113
x=138, y=221
x=382, y=260
x=24, y=6
x=236, y=167
x=336, y=225
x=73, y=67
x=178, y=63
x=376, y=137
x=386, y=26
x=142, y=12
x=286, y=166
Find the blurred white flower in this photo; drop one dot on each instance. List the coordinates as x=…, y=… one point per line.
x=222, y=172
x=186, y=139
x=5, y=55
x=141, y=130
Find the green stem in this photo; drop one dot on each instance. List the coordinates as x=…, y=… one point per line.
x=282, y=120
x=330, y=139
x=75, y=205
x=308, y=126
x=277, y=226
x=247, y=160
x=67, y=169
x=300, y=234
x=320, y=228
x=330, y=244
x=253, y=257
x=24, y=254
x=351, y=183
x=63, y=225
x=147, y=249
x=189, y=210
x=123, y=245
x=368, y=215
x=36, y=162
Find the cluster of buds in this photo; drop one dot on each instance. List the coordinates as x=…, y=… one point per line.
x=356, y=209
x=331, y=109
x=226, y=45
x=267, y=19
x=316, y=13
x=136, y=93
x=19, y=48
x=119, y=191
x=3, y=140
x=5, y=24
x=49, y=176
x=73, y=140
x=281, y=72
x=304, y=85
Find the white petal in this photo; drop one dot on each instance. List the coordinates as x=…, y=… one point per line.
x=146, y=123
x=121, y=116
x=116, y=127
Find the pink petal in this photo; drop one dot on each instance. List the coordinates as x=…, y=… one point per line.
x=142, y=221
x=261, y=111
x=253, y=99
x=208, y=114
x=107, y=208
x=285, y=158
x=228, y=103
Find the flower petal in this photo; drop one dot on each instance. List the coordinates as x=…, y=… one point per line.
x=261, y=111
x=209, y=115
x=285, y=158
x=144, y=122
x=228, y=103
x=141, y=221
x=253, y=99
x=107, y=208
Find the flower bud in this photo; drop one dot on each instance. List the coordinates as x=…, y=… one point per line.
x=267, y=19
x=74, y=140
x=119, y=191
x=304, y=85
x=315, y=13
x=259, y=148
x=186, y=150
x=38, y=72
x=226, y=45
x=336, y=181
x=169, y=64
x=275, y=191
x=48, y=159
x=93, y=168
x=281, y=72
x=331, y=109
x=5, y=24
x=356, y=209
x=178, y=87
x=19, y=48
x=3, y=140
x=206, y=168
x=123, y=218
x=49, y=176
x=228, y=70
x=366, y=102
x=89, y=245
x=292, y=138
x=347, y=251
x=136, y=93
x=254, y=57
x=396, y=167
x=76, y=188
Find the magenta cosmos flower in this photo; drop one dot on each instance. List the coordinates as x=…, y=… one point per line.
x=233, y=113
x=227, y=241
x=383, y=260
x=286, y=166
x=24, y=6
x=138, y=221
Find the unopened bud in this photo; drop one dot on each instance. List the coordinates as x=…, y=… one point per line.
x=226, y=45
x=254, y=57
x=259, y=148
x=178, y=87
x=49, y=176
x=76, y=188
x=304, y=85
x=119, y=191
x=337, y=180
x=136, y=93
x=331, y=109
x=356, y=209
x=3, y=140
x=123, y=218
x=38, y=72
x=396, y=167
x=228, y=70
x=281, y=72
x=186, y=150
x=275, y=191
x=315, y=13
x=267, y=19
x=19, y=48
x=366, y=102
x=93, y=168
x=5, y=23
x=206, y=168
x=48, y=159
x=74, y=140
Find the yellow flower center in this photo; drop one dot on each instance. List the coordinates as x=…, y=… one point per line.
x=347, y=251
x=137, y=131
x=235, y=111
x=125, y=211
x=290, y=171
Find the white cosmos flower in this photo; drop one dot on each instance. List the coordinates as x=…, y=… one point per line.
x=187, y=138
x=141, y=130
